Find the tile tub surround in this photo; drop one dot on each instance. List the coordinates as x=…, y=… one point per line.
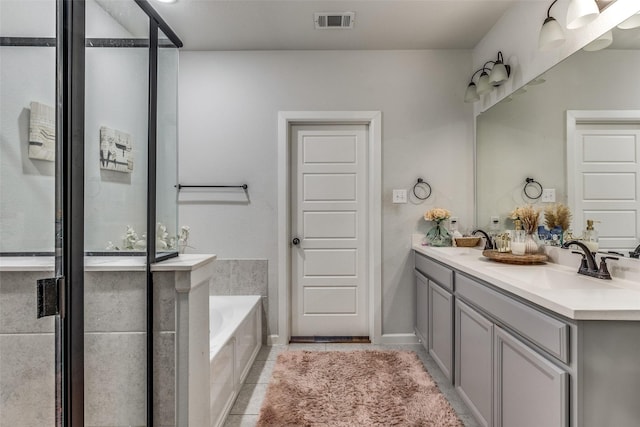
x=243, y=277
x=115, y=340
x=115, y=350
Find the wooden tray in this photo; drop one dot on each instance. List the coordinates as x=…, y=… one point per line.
x=509, y=258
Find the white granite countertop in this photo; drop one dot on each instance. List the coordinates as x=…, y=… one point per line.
x=184, y=262
x=553, y=286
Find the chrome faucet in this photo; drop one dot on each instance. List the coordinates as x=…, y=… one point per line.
x=588, y=265
x=488, y=241
x=635, y=253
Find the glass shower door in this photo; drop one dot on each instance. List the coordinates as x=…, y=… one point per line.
x=30, y=370
x=115, y=205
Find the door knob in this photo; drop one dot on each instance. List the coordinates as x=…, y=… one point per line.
x=295, y=241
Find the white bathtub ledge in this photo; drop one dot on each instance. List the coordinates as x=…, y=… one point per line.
x=191, y=271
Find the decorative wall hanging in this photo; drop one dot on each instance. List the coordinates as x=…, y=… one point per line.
x=115, y=150
x=42, y=132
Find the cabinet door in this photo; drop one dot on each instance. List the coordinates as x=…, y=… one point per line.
x=530, y=390
x=422, y=305
x=441, y=328
x=474, y=362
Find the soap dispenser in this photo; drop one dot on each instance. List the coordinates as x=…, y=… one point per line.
x=453, y=228
x=590, y=236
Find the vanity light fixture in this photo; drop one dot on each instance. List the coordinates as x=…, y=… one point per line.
x=600, y=43
x=551, y=34
x=484, y=85
x=631, y=23
x=500, y=72
x=581, y=12
x=489, y=78
x=471, y=94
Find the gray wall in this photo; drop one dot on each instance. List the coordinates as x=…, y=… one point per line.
x=228, y=108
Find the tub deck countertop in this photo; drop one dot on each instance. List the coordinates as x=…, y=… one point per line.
x=184, y=262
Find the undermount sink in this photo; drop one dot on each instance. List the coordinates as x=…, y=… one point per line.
x=546, y=277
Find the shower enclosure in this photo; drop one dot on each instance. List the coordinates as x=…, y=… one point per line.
x=88, y=201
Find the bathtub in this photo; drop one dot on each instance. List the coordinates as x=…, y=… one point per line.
x=235, y=337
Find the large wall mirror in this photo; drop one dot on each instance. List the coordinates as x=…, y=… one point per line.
x=590, y=103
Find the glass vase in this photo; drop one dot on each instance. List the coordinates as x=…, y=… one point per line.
x=531, y=244
x=438, y=235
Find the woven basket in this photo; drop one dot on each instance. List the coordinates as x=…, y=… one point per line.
x=467, y=242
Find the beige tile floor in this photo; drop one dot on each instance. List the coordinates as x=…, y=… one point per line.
x=247, y=406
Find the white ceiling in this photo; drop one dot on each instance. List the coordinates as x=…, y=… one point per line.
x=288, y=24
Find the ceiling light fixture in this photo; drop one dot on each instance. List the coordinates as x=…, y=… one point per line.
x=551, y=34
x=167, y=1
x=489, y=78
x=581, y=12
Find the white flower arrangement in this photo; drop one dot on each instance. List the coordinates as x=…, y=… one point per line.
x=183, y=238
x=131, y=241
x=130, y=238
x=437, y=214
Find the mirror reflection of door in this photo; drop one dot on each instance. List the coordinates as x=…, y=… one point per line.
x=603, y=173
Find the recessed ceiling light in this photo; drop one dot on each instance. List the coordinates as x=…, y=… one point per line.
x=167, y=1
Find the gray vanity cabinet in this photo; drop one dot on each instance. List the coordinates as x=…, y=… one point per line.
x=422, y=304
x=474, y=361
x=434, y=311
x=530, y=391
x=516, y=364
x=440, y=315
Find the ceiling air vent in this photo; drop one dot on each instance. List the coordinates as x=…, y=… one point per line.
x=338, y=20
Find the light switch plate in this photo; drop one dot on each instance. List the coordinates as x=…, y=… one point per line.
x=549, y=195
x=399, y=196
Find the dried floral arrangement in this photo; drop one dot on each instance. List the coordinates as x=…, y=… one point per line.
x=557, y=215
x=529, y=217
x=437, y=214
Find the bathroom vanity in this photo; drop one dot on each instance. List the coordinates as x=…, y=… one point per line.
x=531, y=345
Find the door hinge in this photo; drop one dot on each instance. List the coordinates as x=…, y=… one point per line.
x=50, y=296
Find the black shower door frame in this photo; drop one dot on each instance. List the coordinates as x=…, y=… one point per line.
x=69, y=203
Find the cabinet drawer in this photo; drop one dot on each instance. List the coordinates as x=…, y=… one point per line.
x=435, y=271
x=549, y=333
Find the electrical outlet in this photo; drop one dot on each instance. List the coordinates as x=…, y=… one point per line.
x=549, y=195
x=399, y=196
x=453, y=220
x=495, y=220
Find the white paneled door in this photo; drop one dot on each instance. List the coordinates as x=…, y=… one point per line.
x=329, y=215
x=606, y=170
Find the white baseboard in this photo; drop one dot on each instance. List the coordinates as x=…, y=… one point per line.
x=276, y=339
x=399, y=339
